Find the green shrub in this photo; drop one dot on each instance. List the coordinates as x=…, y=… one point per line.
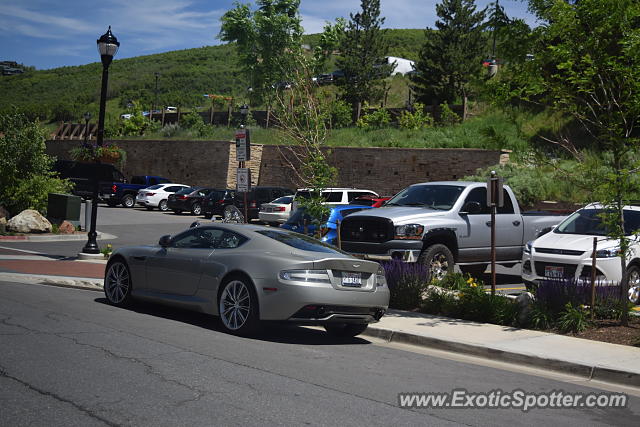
x=539, y=317
x=572, y=319
x=415, y=120
x=191, y=121
x=447, y=116
x=376, y=119
x=340, y=114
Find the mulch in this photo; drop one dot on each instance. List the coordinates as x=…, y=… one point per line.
x=610, y=331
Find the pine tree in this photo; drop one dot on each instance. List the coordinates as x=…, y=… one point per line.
x=363, y=49
x=451, y=56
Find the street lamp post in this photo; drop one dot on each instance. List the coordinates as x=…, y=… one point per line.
x=107, y=47
x=87, y=117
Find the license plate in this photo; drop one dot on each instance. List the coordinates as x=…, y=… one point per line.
x=352, y=280
x=553, y=271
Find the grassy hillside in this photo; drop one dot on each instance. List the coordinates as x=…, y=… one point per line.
x=65, y=93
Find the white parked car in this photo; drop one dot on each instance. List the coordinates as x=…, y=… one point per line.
x=156, y=196
x=566, y=251
x=277, y=211
x=171, y=109
x=337, y=196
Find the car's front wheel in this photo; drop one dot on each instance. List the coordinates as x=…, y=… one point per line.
x=232, y=214
x=633, y=279
x=117, y=283
x=238, y=307
x=196, y=209
x=345, y=330
x=438, y=260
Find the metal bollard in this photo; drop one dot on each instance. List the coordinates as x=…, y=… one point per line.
x=87, y=215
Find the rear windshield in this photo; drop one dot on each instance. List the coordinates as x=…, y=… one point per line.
x=284, y=200
x=187, y=190
x=299, y=241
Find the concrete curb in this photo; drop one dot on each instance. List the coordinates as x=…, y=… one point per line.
x=54, y=237
x=86, y=283
x=586, y=371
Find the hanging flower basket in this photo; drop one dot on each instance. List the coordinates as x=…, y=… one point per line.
x=106, y=154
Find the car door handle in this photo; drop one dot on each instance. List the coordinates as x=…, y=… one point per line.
x=139, y=258
x=516, y=223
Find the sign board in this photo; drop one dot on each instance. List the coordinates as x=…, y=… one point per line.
x=243, y=145
x=243, y=180
x=495, y=191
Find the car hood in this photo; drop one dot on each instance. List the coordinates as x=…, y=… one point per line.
x=578, y=242
x=400, y=214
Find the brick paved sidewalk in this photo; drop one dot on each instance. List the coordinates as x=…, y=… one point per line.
x=14, y=261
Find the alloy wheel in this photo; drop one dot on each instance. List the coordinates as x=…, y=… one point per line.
x=196, y=209
x=439, y=266
x=163, y=205
x=235, y=305
x=117, y=283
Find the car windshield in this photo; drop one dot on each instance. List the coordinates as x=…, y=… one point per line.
x=439, y=197
x=590, y=222
x=299, y=241
x=155, y=187
x=286, y=200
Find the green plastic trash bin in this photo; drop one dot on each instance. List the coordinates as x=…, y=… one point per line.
x=64, y=207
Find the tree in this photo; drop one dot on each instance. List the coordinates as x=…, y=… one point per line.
x=328, y=43
x=25, y=176
x=363, y=48
x=266, y=39
x=450, y=56
x=587, y=66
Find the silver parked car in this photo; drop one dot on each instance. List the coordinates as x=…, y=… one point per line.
x=249, y=273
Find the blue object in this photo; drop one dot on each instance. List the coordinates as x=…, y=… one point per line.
x=338, y=212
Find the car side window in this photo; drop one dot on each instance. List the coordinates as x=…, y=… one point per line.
x=332, y=196
x=479, y=195
x=173, y=189
x=196, y=238
x=230, y=240
x=507, y=208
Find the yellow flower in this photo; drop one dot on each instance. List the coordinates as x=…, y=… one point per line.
x=473, y=285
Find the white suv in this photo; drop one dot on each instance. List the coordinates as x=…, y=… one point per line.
x=336, y=196
x=566, y=251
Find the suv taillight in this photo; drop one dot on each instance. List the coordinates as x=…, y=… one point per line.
x=114, y=188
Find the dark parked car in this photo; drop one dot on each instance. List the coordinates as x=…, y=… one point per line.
x=301, y=222
x=83, y=175
x=255, y=198
x=188, y=199
x=216, y=201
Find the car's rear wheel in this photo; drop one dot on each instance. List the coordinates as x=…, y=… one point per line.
x=238, y=307
x=196, y=209
x=633, y=279
x=128, y=201
x=345, y=330
x=438, y=260
x=117, y=283
x=163, y=206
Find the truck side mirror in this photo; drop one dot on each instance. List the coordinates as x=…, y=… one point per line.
x=165, y=241
x=471, y=208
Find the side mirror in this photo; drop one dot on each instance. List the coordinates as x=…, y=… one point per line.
x=165, y=241
x=471, y=208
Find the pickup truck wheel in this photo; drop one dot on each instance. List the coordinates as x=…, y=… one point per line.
x=128, y=201
x=439, y=261
x=476, y=270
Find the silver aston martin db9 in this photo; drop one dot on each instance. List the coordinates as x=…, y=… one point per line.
x=248, y=273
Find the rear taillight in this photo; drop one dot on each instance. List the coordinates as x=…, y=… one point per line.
x=181, y=197
x=221, y=201
x=150, y=194
x=279, y=209
x=114, y=188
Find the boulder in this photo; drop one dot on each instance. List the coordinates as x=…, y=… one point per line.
x=525, y=302
x=66, y=228
x=4, y=213
x=29, y=221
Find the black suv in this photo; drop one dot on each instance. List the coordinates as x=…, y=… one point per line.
x=215, y=202
x=255, y=198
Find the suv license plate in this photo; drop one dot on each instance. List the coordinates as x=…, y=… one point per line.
x=351, y=280
x=553, y=271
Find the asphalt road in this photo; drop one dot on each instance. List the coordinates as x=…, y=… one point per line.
x=67, y=358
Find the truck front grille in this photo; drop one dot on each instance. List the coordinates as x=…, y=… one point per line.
x=366, y=229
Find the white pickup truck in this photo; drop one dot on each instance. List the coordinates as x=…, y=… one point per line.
x=441, y=224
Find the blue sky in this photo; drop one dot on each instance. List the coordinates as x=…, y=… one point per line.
x=49, y=34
